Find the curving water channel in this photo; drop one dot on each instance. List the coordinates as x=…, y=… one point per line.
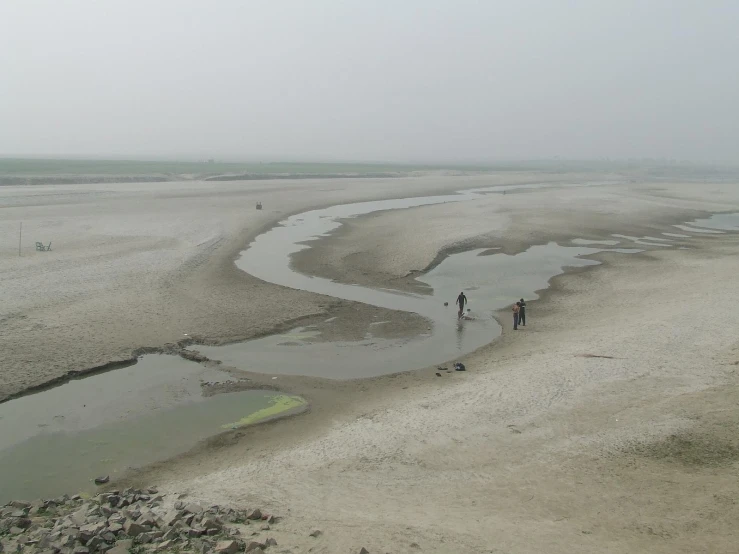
x=490, y=281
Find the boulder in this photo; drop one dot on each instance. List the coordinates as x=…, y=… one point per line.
x=79, y=518
x=94, y=544
x=254, y=545
x=68, y=539
x=227, y=547
x=270, y=542
x=147, y=519
x=133, y=529
x=171, y=517
x=316, y=533
x=22, y=522
x=210, y=523
x=193, y=508
x=119, y=549
x=92, y=528
x=363, y=551
x=254, y=514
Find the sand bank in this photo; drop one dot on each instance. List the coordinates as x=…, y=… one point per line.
x=136, y=267
x=605, y=426
x=537, y=447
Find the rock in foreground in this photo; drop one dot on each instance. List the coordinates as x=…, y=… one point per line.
x=121, y=522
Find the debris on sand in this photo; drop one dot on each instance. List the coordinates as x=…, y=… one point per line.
x=119, y=522
x=459, y=367
x=102, y=480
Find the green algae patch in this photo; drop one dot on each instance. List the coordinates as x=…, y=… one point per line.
x=278, y=404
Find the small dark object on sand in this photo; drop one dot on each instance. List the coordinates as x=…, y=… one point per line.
x=102, y=480
x=438, y=374
x=459, y=367
x=446, y=303
x=468, y=310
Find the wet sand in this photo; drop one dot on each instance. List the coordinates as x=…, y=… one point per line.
x=136, y=267
x=605, y=426
x=537, y=447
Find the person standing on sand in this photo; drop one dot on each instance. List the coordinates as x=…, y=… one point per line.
x=522, y=312
x=461, y=301
x=516, y=311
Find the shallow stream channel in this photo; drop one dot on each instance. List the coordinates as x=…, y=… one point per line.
x=57, y=440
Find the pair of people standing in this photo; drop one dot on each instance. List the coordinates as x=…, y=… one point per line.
x=519, y=310
x=519, y=314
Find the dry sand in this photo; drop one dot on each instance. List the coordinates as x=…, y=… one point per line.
x=539, y=446
x=138, y=266
x=391, y=249
x=536, y=448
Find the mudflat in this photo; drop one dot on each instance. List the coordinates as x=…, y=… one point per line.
x=143, y=267
x=136, y=267
x=603, y=426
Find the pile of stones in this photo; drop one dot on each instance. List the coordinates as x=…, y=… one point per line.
x=129, y=522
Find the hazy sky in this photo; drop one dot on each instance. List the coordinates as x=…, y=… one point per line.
x=404, y=80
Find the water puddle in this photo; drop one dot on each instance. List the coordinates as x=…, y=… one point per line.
x=644, y=241
x=587, y=242
x=691, y=229
x=723, y=222
x=56, y=441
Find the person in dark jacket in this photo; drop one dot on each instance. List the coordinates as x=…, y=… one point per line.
x=461, y=301
x=522, y=312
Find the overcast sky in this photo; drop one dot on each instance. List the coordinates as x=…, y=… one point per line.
x=401, y=80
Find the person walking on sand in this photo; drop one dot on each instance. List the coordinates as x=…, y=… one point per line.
x=461, y=301
x=522, y=312
x=516, y=311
